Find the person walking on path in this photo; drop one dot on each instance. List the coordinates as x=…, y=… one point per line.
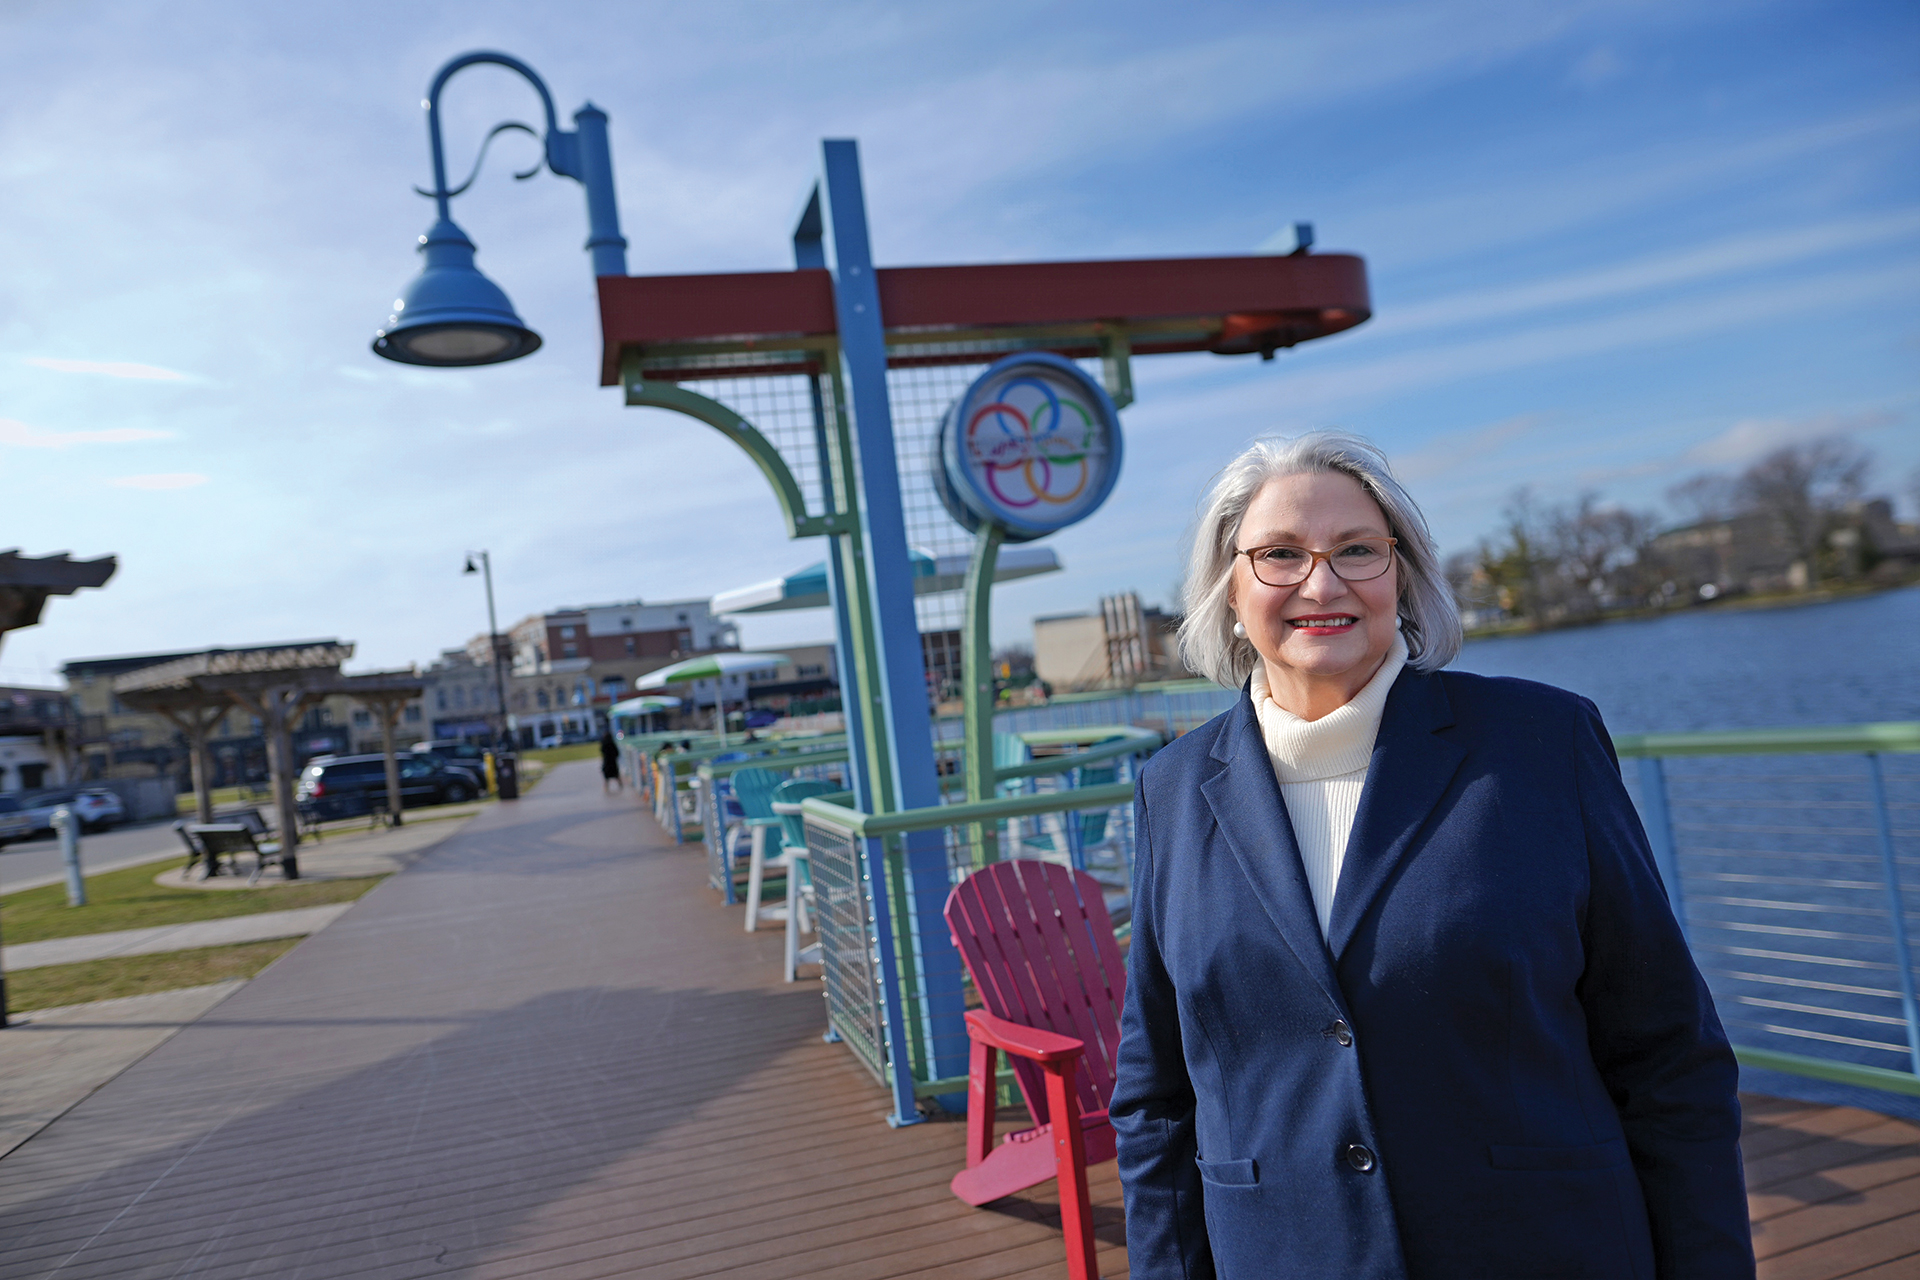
x=609, y=762
x=1405, y=999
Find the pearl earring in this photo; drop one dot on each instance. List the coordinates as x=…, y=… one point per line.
x=1240, y=630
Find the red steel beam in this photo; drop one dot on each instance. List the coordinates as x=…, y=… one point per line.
x=1239, y=304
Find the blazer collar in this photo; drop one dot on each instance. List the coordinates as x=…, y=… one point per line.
x=1252, y=817
x=1409, y=772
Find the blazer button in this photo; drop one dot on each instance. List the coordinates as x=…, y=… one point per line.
x=1358, y=1158
x=1342, y=1033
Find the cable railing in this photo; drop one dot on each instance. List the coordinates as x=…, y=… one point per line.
x=1788, y=856
x=1791, y=858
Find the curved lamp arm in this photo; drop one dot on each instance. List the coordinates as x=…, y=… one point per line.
x=582, y=155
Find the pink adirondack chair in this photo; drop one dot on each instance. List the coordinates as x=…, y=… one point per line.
x=1039, y=944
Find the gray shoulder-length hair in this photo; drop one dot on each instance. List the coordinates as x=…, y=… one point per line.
x=1429, y=618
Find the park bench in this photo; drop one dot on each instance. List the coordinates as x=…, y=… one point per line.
x=197, y=854
x=218, y=839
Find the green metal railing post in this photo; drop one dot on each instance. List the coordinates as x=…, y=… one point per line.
x=1896, y=908
x=976, y=674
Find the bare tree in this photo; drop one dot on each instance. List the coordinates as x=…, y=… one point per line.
x=1801, y=488
x=1705, y=498
x=1592, y=544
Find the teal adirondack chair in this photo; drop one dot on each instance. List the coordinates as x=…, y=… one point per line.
x=753, y=789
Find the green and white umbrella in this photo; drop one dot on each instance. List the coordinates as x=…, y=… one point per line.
x=644, y=706
x=709, y=666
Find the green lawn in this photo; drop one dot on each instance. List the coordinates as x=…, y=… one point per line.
x=90, y=980
x=222, y=796
x=129, y=899
x=560, y=755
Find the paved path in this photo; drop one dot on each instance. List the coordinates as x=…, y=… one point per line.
x=52, y=1058
x=261, y=927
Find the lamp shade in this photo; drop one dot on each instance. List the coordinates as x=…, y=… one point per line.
x=451, y=314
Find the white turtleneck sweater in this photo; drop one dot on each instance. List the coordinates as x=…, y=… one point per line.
x=1321, y=765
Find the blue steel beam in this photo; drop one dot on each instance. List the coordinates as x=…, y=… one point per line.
x=908, y=722
x=809, y=251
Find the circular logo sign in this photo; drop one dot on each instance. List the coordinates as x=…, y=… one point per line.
x=1032, y=446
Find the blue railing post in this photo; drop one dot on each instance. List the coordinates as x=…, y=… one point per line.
x=1659, y=821
x=1896, y=908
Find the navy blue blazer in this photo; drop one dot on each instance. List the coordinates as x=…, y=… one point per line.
x=1499, y=1062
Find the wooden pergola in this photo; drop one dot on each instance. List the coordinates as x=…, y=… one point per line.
x=278, y=685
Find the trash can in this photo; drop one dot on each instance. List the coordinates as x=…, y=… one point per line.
x=506, y=775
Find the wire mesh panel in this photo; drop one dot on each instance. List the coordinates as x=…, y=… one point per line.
x=844, y=918
x=1785, y=894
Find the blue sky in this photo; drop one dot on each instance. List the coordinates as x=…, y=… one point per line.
x=1610, y=244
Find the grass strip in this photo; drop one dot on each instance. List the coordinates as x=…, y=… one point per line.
x=561, y=755
x=109, y=979
x=129, y=899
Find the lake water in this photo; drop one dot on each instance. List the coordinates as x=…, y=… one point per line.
x=1836, y=663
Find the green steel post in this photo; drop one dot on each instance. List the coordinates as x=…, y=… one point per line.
x=853, y=564
x=976, y=673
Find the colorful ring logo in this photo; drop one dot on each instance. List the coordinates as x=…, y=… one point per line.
x=1033, y=446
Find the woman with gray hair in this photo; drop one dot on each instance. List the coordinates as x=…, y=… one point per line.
x=1405, y=997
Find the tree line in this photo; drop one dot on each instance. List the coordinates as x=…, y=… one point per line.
x=1798, y=518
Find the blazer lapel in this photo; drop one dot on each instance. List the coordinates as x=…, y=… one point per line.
x=1409, y=772
x=1246, y=803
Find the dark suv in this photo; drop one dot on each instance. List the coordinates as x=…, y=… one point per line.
x=345, y=786
x=457, y=754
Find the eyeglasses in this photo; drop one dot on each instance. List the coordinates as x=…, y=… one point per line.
x=1282, y=565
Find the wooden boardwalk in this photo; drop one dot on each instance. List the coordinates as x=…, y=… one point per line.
x=545, y=1051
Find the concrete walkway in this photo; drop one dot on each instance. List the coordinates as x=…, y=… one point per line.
x=50, y=1059
x=261, y=927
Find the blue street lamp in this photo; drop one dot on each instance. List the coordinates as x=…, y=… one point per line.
x=452, y=315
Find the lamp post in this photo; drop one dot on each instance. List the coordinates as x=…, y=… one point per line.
x=485, y=568
x=452, y=315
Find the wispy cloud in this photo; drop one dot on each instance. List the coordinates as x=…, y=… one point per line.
x=165, y=480
x=110, y=369
x=1750, y=438
x=1464, y=448
x=1734, y=256
x=23, y=436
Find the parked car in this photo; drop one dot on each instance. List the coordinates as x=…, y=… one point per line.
x=346, y=786
x=14, y=823
x=460, y=755
x=96, y=807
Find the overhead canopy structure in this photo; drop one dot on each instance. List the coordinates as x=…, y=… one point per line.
x=752, y=323
x=807, y=589
x=26, y=582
